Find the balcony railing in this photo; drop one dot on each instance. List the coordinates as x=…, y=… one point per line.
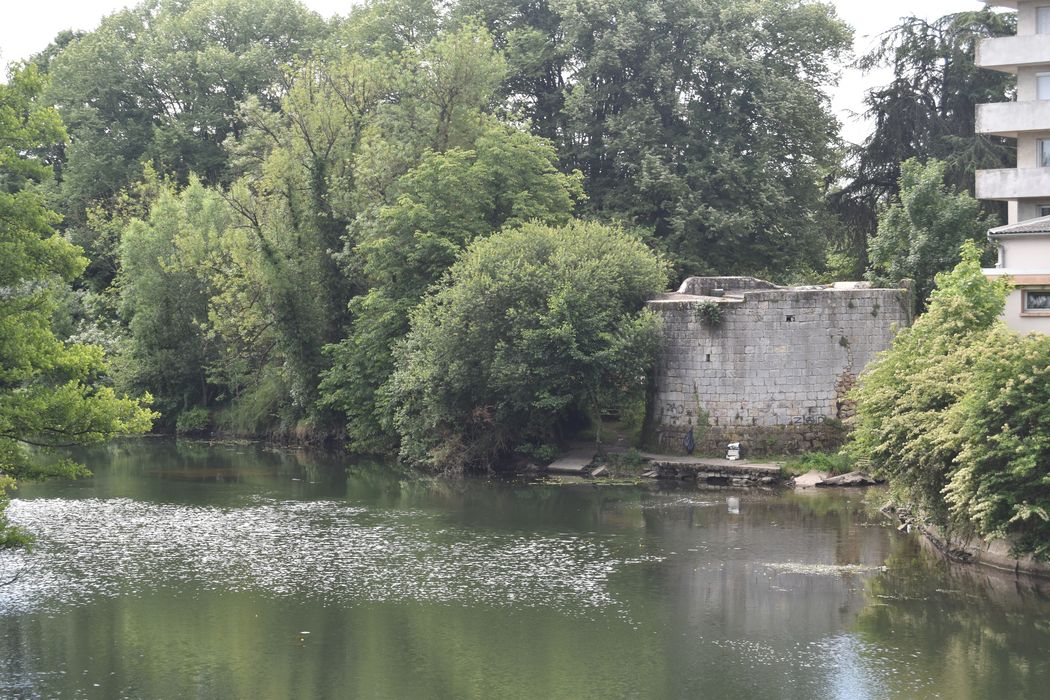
x=1008, y=52
x=1012, y=118
x=1014, y=183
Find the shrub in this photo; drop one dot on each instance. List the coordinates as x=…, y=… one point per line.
x=1001, y=481
x=905, y=395
x=192, y=421
x=709, y=313
x=830, y=462
x=535, y=326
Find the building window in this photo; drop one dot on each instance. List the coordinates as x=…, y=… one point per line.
x=1042, y=86
x=1042, y=20
x=1044, y=210
x=1043, y=153
x=1036, y=301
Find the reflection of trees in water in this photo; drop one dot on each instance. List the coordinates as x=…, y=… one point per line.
x=976, y=633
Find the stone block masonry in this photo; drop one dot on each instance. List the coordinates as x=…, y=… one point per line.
x=766, y=366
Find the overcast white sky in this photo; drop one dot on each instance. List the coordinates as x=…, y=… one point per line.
x=29, y=25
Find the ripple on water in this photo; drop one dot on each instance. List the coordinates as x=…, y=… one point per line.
x=323, y=549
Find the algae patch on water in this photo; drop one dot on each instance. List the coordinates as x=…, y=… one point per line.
x=821, y=569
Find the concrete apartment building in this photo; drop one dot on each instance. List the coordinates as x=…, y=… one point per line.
x=1025, y=188
x=1024, y=243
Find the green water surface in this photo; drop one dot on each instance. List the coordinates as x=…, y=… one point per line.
x=183, y=570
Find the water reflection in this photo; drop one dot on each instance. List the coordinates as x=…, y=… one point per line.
x=190, y=570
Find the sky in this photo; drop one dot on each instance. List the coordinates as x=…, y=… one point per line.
x=28, y=26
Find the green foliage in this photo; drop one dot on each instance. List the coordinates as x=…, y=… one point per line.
x=193, y=421
x=830, y=462
x=444, y=203
x=926, y=112
x=260, y=408
x=543, y=453
x=535, y=323
x=920, y=236
x=161, y=82
x=1000, y=483
x=906, y=397
x=710, y=313
x=165, y=293
x=51, y=393
x=702, y=122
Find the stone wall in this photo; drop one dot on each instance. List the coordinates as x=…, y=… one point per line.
x=773, y=373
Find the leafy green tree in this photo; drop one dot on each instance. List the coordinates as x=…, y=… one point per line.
x=529, y=33
x=171, y=262
x=921, y=235
x=1000, y=483
x=536, y=323
x=906, y=395
x=51, y=392
x=384, y=27
x=161, y=82
x=295, y=198
x=703, y=121
x=446, y=202
x=349, y=128
x=926, y=112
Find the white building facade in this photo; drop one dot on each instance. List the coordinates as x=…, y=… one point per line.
x=1026, y=188
x=1024, y=243
x=1024, y=257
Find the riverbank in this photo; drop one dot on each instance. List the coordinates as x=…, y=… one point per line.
x=995, y=554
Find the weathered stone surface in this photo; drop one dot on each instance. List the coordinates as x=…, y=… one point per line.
x=851, y=479
x=810, y=479
x=714, y=470
x=774, y=373
x=574, y=462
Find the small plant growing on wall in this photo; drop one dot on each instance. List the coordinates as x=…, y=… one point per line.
x=709, y=313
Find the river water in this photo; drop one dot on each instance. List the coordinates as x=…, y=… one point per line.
x=184, y=570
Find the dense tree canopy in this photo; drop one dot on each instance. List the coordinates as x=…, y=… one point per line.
x=702, y=121
x=920, y=236
x=905, y=396
x=161, y=83
x=926, y=112
x=535, y=323
x=267, y=198
x=450, y=199
x=51, y=392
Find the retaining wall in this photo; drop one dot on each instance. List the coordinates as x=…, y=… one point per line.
x=769, y=368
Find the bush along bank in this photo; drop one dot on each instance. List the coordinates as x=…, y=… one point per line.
x=953, y=415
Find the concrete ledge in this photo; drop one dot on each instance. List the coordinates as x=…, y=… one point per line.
x=715, y=471
x=995, y=554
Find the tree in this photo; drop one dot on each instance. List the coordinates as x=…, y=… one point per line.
x=171, y=264
x=51, y=393
x=906, y=396
x=383, y=27
x=446, y=202
x=927, y=112
x=536, y=324
x=999, y=486
x=703, y=121
x=920, y=236
x=161, y=83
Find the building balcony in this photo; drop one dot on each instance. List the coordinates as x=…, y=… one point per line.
x=1014, y=183
x=1008, y=52
x=1012, y=118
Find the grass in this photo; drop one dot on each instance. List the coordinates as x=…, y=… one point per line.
x=831, y=462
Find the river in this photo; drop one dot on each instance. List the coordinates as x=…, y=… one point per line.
x=183, y=570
